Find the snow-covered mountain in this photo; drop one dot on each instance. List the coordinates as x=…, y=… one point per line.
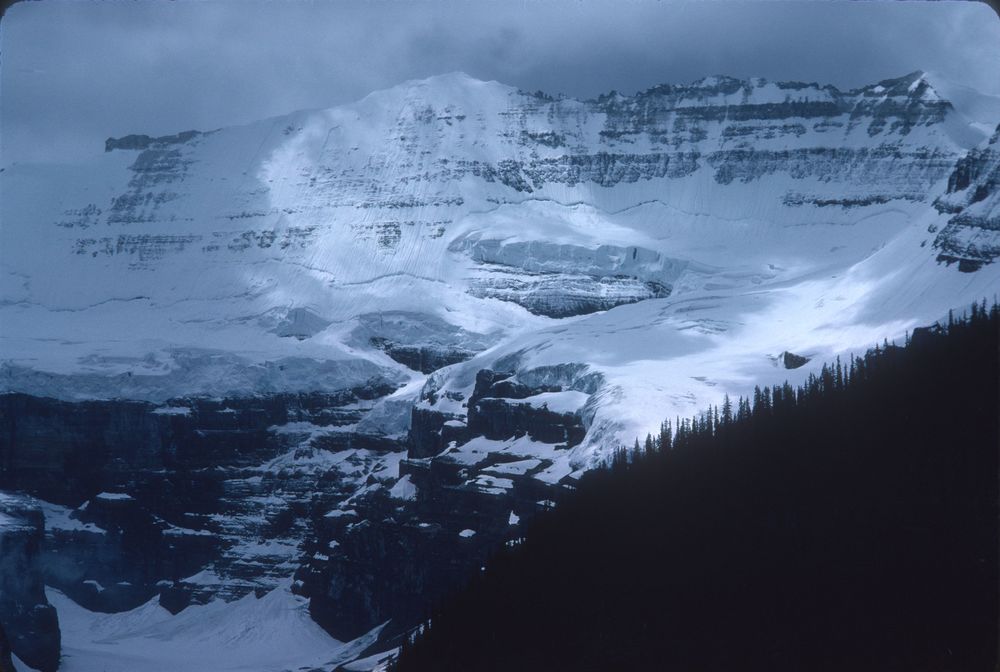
x=264, y=258
x=417, y=314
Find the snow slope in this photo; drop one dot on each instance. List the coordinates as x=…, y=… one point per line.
x=268, y=634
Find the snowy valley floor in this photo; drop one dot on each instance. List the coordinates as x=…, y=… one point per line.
x=269, y=634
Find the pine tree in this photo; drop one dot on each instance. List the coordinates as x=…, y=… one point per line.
x=665, y=439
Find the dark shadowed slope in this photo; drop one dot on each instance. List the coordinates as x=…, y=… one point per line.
x=847, y=525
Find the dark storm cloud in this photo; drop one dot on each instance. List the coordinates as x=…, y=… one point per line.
x=74, y=73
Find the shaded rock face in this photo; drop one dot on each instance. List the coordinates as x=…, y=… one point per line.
x=29, y=621
x=466, y=487
x=422, y=358
x=495, y=412
x=176, y=499
x=431, y=431
x=839, y=164
x=420, y=341
x=115, y=551
x=393, y=558
x=792, y=361
x=208, y=374
x=408, y=564
x=972, y=235
x=68, y=452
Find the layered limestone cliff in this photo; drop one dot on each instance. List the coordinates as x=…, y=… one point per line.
x=972, y=235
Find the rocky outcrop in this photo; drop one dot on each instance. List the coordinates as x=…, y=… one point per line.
x=972, y=235
x=27, y=618
x=897, y=104
x=605, y=169
x=499, y=419
x=790, y=360
x=431, y=431
x=420, y=341
x=861, y=166
x=422, y=358
x=498, y=409
x=145, y=142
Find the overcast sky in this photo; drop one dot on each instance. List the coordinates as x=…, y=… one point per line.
x=76, y=72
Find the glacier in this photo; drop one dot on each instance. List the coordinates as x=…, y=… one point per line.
x=248, y=260
x=197, y=255
x=421, y=314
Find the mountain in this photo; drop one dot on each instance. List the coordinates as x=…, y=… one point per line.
x=364, y=346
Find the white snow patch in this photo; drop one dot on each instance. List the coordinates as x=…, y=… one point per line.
x=58, y=518
x=492, y=484
x=567, y=401
x=113, y=496
x=172, y=410
x=174, y=531
x=339, y=513
x=274, y=632
x=97, y=586
x=205, y=577
x=404, y=489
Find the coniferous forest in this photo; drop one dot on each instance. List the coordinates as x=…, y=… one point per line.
x=849, y=524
